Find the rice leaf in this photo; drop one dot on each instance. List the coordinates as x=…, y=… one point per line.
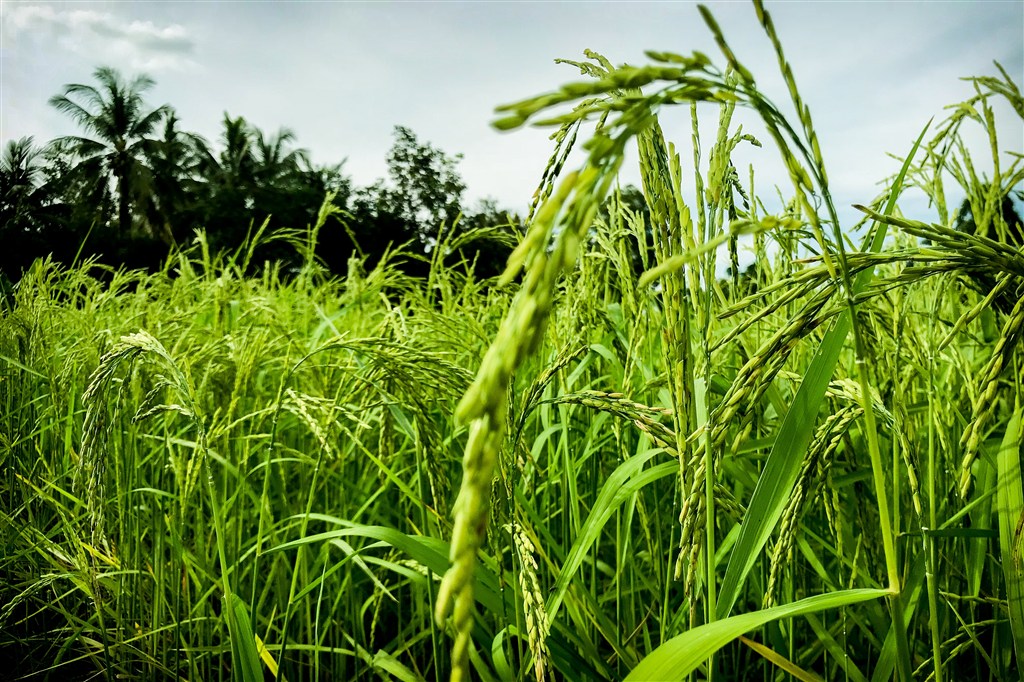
x=681, y=655
x=387, y=663
x=1010, y=507
x=266, y=656
x=780, y=661
x=912, y=587
x=433, y=554
x=243, y=641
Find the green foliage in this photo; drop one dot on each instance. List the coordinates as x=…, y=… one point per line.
x=1010, y=507
x=683, y=654
x=223, y=469
x=427, y=188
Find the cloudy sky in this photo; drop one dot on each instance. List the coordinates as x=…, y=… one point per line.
x=341, y=75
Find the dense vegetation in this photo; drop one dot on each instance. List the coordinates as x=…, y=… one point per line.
x=608, y=463
x=133, y=186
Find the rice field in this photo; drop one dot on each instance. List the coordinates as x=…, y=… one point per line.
x=615, y=462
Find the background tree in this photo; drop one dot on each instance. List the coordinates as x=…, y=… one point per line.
x=172, y=196
x=275, y=163
x=228, y=180
x=426, y=186
x=119, y=128
x=373, y=223
x=24, y=206
x=256, y=177
x=21, y=191
x=423, y=189
x=1002, y=224
x=134, y=184
x=279, y=188
x=497, y=233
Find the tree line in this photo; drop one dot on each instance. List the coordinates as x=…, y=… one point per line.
x=132, y=185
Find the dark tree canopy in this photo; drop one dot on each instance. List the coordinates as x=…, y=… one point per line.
x=134, y=184
x=1006, y=226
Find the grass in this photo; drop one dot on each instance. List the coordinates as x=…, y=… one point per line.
x=608, y=464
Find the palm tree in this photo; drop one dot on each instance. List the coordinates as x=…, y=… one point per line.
x=228, y=178
x=21, y=193
x=275, y=164
x=32, y=217
x=232, y=171
x=119, y=126
x=253, y=176
x=174, y=162
x=282, y=175
x=249, y=160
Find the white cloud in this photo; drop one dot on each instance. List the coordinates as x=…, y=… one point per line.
x=101, y=37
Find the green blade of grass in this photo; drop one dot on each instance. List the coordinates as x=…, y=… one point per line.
x=780, y=661
x=384, y=662
x=783, y=465
x=981, y=521
x=243, y=641
x=627, y=478
x=681, y=655
x=912, y=586
x=845, y=665
x=22, y=367
x=433, y=554
x=430, y=552
x=1010, y=506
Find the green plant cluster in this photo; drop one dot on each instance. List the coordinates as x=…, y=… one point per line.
x=606, y=464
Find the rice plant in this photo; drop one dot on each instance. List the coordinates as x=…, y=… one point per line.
x=610, y=463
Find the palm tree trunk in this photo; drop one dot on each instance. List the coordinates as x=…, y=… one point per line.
x=124, y=217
